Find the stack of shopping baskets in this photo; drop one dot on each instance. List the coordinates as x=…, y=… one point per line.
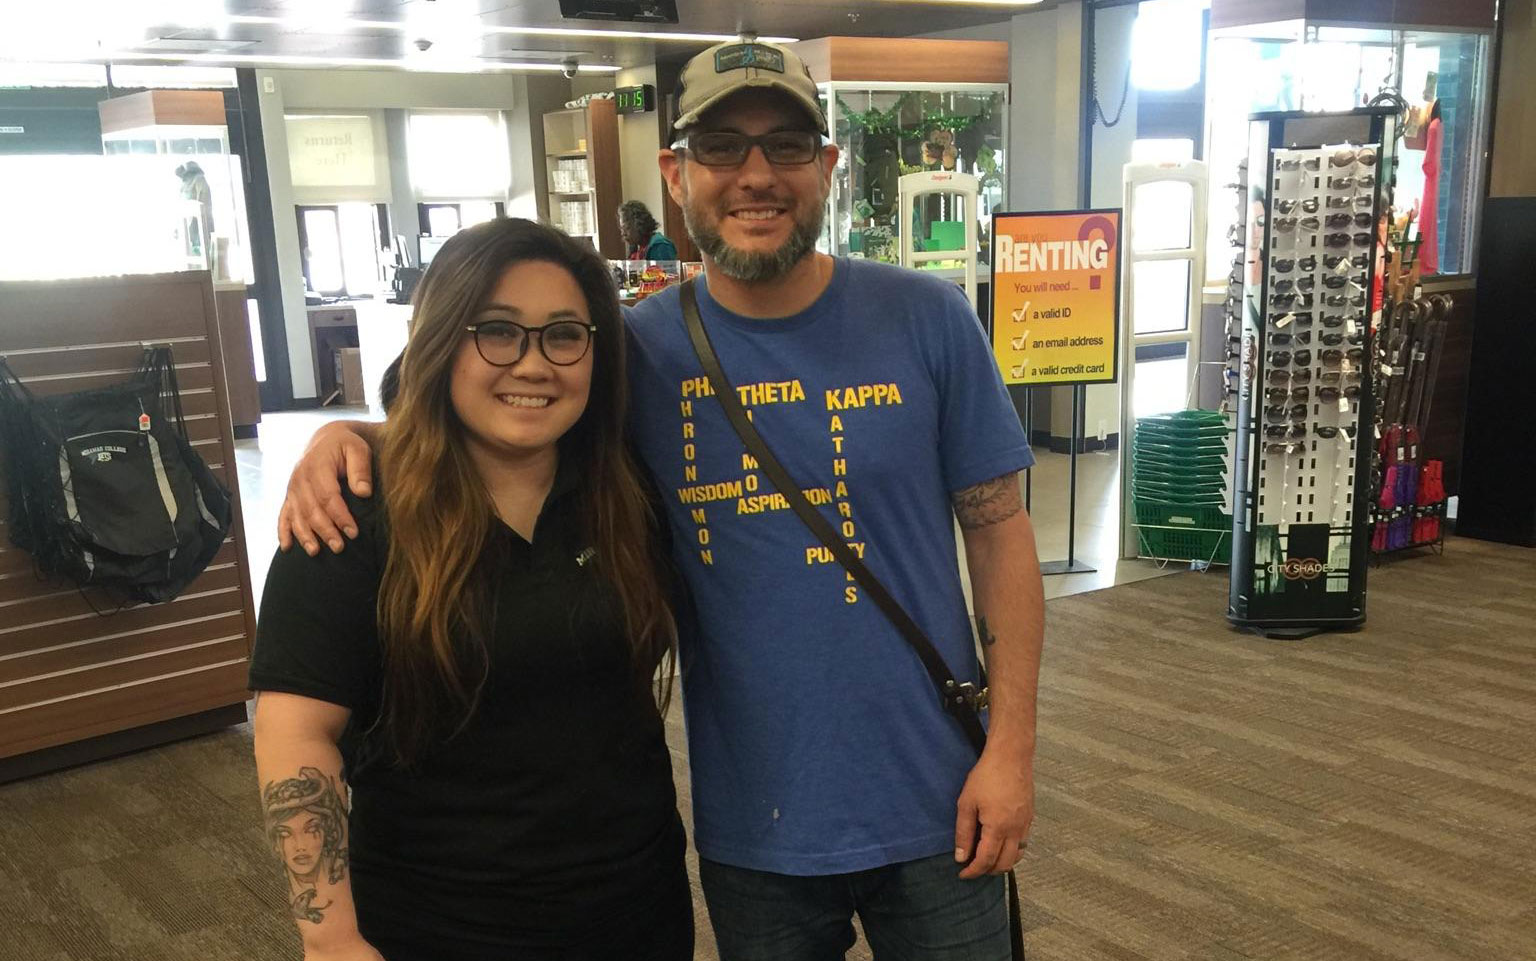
x=1179, y=466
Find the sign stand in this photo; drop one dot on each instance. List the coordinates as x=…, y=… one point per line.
x=1071, y=565
x=1055, y=320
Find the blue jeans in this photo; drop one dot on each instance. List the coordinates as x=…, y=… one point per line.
x=912, y=911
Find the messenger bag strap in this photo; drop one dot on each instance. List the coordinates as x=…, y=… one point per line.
x=952, y=694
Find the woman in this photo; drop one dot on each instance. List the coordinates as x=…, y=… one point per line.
x=479, y=664
x=640, y=232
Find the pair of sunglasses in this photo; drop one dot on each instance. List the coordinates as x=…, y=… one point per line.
x=1343, y=240
x=1280, y=378
x=1363, y=181
x=1303, y=284
x=1283, y=358
x=1283, y=339
x=1344, y=300
x=1290, y=300
x=1279, y=395
x=1282, y=432
x=1295, y=163
x=1332, y=261
x=1335, y=357
x=1343, y=220
x=1365, y=156
x=1309, y=205
x=1336, y=203
x=1332, y=394
x=1280, y=414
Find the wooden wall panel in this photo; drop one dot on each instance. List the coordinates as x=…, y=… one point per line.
x=67, y=673
x=904, y=59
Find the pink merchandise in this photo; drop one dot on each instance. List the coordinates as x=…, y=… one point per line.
x=1429, y=221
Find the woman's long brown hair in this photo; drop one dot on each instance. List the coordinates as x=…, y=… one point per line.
x=434, y=615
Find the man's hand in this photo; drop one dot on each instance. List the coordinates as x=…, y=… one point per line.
x=998, y=803
x=314, y=510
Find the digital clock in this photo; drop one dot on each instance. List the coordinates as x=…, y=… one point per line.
x=640, y=99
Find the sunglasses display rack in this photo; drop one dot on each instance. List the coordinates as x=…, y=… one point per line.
x=1305, y=391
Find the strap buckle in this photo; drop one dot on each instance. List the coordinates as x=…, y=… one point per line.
x=958, y=695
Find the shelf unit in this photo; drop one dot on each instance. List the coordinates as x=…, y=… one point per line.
x=587, y=134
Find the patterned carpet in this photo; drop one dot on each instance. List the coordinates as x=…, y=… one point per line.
x=1203, y=795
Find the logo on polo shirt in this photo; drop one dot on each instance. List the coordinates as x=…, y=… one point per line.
x=585, y=556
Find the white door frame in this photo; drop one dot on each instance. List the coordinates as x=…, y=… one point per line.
x=1196, y=173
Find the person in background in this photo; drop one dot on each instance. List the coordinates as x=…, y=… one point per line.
x=479, y=671
x=644, y=241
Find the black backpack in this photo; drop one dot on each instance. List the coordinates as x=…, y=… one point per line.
x=105, y=488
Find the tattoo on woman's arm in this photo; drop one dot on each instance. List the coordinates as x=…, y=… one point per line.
x=989, y=502
x=306, y=821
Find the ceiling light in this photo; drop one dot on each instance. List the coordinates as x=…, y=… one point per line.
x=343, y=24
x=275, y=60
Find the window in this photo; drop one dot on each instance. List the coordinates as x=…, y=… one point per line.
x=1165, y=44
x=320, y=240
x=447, y=219
x=458, y=154
x=1441, y=74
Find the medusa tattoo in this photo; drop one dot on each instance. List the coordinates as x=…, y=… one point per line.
x=306, y=822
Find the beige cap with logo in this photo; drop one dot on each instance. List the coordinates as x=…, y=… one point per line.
x=739, y=65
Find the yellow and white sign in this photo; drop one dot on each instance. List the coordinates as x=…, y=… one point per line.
x=1056, y=296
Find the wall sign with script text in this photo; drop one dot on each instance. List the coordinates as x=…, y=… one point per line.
x=1056, y=296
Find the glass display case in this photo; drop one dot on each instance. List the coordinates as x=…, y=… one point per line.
x=199, y=193
x=885, y=130
x=1442, y=76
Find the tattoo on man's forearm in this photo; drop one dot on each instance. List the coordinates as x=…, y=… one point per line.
x=987, y=637
x=306, y=822
x=989, y=502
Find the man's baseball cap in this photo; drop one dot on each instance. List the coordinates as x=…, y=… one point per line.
x=739, y=65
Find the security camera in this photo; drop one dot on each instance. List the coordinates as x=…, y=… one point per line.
x=568, y=67
x=423, y=44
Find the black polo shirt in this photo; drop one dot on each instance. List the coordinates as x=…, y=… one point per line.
x=552, y=808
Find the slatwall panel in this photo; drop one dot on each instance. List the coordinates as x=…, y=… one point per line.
x=66, y=673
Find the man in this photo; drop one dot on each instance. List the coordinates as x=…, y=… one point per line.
x=827, y=779
x=641, y=237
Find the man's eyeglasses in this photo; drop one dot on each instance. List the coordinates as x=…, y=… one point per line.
x=726, y=148
x=503, y=343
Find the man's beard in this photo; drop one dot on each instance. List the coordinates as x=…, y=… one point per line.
x=750, y=267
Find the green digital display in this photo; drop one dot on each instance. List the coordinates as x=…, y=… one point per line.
x=638, y=99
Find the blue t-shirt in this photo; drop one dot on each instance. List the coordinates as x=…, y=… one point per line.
x=816, y=740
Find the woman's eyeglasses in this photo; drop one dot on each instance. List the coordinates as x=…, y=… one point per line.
x=726, y=148
x=503, y=343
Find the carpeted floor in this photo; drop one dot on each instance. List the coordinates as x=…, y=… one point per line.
x=1202, y=795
